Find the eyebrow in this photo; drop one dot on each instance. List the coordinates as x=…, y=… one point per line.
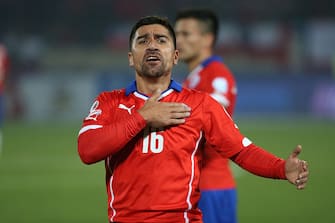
x=155, y=35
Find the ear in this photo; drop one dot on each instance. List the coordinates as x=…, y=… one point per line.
x=176, y=57
x=130, y=59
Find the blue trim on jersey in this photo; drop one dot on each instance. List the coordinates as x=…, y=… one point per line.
x=131, y=88
x=210, y=60
x=218, y=206
x=173, y=85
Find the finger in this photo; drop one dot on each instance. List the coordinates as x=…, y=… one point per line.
x=304, y=165
x=303, y=175
x=178, y=107
x=177, y=121
x=155, y=96
x=179, y=115
x=302, y=186
x=301, y=181
x=296, y=151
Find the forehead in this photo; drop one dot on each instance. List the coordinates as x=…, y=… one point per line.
x=153, y=29
x=187, y=24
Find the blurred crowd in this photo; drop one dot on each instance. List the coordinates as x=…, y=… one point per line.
x=265, y=37
x=291, y=36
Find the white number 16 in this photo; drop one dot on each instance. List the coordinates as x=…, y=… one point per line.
x=152, y=141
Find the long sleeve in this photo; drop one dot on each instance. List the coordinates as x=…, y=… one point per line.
x=99, y=142
x=260, y=162
x=224, y=136
x=109, y=126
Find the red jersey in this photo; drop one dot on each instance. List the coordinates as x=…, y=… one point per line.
x=213, y=77
x=4, y=66
x=152, y=175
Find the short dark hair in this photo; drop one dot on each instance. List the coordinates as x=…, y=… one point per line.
x=149, y=20
x=207, y=17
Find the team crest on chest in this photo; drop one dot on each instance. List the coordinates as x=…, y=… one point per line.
x=94, y=112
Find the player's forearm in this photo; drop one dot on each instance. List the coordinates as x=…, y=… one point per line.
x=97, y=144
x=260, y=162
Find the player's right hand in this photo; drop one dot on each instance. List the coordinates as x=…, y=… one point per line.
x=161, y=114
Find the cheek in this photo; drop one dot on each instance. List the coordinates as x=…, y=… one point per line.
x=137, y=58
x=181, y=41
x=170, y=57
x=190, y=44
x=194, y=42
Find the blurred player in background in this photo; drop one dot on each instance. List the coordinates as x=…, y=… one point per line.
x=196, y=32
x=4, y=67
x=150, y=135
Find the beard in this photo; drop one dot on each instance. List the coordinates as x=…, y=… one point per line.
x=152, y=71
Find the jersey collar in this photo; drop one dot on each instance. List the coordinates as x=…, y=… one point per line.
x=173, y=86
x=211, y=59
x=205, y=63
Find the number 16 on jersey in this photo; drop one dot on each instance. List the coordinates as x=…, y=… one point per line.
x=152, y=140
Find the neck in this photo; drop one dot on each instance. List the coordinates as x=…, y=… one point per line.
x=196, y=61
x=148, y=86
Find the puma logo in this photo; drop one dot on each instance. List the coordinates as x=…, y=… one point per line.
x=122, y=106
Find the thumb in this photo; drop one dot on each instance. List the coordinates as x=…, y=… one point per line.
x=155, y=96
x=296, y=151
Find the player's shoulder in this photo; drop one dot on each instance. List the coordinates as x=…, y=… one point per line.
x=195, y=94
x=199, y=99
x=191, y=91
x=112, y=95
x=217, y=68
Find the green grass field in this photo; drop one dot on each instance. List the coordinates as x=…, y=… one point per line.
x=43, y=180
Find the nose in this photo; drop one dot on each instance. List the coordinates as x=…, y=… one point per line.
x=152, y=44
x=152, y=50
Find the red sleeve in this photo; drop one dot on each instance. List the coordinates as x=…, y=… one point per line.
x=260, y=162
x=102, y=135
x=223, y=135
x=220, y=131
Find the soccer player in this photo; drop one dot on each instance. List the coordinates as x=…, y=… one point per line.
x=196, y=32
x=150, y=135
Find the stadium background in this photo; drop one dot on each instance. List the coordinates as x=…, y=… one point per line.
x=64, y=52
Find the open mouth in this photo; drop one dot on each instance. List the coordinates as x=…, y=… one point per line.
x=152, y=59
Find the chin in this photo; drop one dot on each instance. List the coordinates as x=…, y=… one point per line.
x=186, y=59
x=153, y=74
